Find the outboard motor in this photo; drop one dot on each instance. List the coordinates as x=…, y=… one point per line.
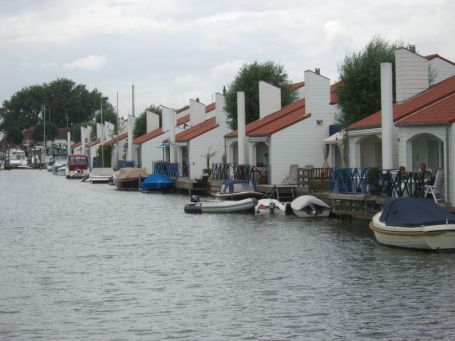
x=195, y=198
x=272, y=207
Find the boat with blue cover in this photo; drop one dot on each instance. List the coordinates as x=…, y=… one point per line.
x=157, y=183
x=414, y=223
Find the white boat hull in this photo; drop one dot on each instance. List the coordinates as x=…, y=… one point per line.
x=435, y=237
x=225, y=206
x=305, y=214
x=263, y=207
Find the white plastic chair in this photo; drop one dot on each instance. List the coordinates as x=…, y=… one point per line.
x=436, y=188
x=291, y=179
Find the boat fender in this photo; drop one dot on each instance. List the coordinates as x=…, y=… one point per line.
x=193, y=208
x=195, y=198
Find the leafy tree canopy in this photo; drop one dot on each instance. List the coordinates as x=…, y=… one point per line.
x=76, y=129
x=51, y=132
x=62, y=101
x=247, y=80
x=140, y=126
x=359, y=90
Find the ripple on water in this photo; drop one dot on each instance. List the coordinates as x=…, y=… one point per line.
x=81, y=261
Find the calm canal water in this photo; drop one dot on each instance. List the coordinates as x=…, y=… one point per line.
x=87, y=262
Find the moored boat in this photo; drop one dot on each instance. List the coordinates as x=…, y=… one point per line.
x=77, y=166
x=308, y=206
x=129, y=178
x=100, y=175
x=269, y=206
x=414, y=223
x=157, y=183
x=220, y=206
x=238, y=190
x=17, y=159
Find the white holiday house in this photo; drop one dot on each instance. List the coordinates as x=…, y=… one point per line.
x=285, y=136
x=423, y=116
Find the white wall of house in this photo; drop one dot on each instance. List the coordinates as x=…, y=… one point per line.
x=301, y=143
x=93, y=152
x=151, y=152
x=411, y=74
x=317, y=94
x=440, y=70
x=118, y=152
x=199, y=146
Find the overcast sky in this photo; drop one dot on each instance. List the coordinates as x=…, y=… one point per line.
x=174, y=50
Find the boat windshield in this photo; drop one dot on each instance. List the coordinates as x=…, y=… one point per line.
x=78, y=161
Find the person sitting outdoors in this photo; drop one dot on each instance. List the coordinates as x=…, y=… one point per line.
x=402, y=172
x=424, y=174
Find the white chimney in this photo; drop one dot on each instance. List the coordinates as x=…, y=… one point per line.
x=172, y=147
x=131, y=121
x=411, y=74
x=269, y=99
x=317, y=93
x=83, y=133
x=164, y=118
x=387, y=115
x=88, y=133
x=221, y=116
x=68, y=142
x=153, y=121
x=197, y=112
x=99, y=131
x=241, y=127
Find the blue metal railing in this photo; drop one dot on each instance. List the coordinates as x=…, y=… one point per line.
x=375, y=181
x=126, y=163
x=166, y=168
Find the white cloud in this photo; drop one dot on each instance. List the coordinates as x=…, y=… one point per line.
x=90, y=63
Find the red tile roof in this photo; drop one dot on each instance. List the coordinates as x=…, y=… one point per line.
x=210, y=107
x=61, y=133
x=146, y=137
x=433, y=56
x=197, y=130
x=28, y=132
x=442, y=112
x=333, y=93
x=94, y=142
x=401, y=110
x=298, y=85
x=275, y=122
x=183, y=119
x=178, y=111
x=116, y=139
x=77, y=144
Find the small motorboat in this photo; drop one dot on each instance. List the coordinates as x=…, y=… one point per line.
x=220, y=206
x=238, y=190
x=78, y=166
x=61, y=170
x=414, y=223
x=269, y=206
x=157, y=183
x=17, y=159
x=129, y=178
x=100, y=175
x=308, y=206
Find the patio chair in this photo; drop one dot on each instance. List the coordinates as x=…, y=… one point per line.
x=291, y=179
x=436, y=188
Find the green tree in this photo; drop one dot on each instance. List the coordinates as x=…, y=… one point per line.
x=62, y=101
x=140, y=126
x=51, y=132
x=359, y=90
x=247, y=80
